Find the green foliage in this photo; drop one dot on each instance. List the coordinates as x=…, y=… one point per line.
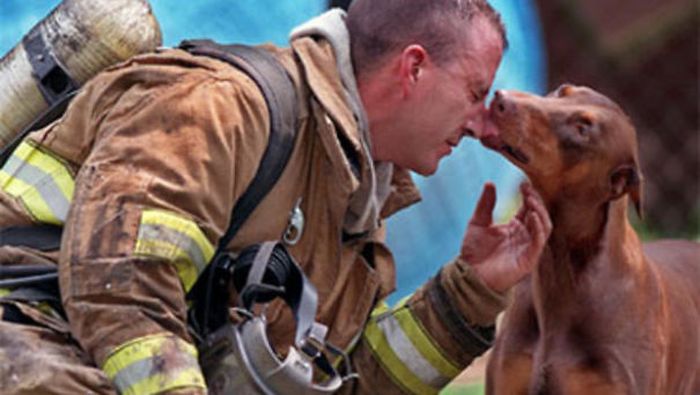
x=463, y=389
x=647, y=231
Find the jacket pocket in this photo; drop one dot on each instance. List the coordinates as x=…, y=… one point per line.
x=101, y=277
x=357, y=296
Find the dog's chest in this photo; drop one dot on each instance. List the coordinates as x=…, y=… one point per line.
x=602, y=349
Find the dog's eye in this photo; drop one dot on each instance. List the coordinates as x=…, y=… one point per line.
x=584, y=127
x=583, y=123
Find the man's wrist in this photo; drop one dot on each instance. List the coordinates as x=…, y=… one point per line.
x=479, y=303
x=473, y=340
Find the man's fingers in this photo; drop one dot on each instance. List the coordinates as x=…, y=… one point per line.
x=520, y=215
x=484, y=208
x=538, y=208
x=543, y=216
x=539, y=237
x=526, y=189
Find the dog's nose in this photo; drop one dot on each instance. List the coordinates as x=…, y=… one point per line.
x=501, y=103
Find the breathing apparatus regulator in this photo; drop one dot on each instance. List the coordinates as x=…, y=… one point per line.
x=238, y=357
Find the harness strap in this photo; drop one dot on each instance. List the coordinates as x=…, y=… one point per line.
x=280, y=96
x=32, y=294
x=296, y=288
x=38, y=237
x=53, y=80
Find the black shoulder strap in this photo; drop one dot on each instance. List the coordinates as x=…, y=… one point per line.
x=43, y=237
x=280, y=96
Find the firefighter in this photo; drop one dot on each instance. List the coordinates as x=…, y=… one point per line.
x=144, y=167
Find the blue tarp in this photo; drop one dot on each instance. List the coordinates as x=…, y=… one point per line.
x=423, y=237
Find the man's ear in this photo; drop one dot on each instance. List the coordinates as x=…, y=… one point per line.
x=413, y=60
x=627, y=179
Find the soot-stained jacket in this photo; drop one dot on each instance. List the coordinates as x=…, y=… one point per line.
x=142, y=172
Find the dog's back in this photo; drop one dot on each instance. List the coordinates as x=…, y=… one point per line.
x=678, y=263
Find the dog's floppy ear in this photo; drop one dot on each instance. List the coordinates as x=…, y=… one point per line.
x=627, y=179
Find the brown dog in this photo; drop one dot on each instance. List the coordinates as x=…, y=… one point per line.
x=601, y=314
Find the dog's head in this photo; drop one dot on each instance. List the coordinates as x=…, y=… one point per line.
x=572, y=142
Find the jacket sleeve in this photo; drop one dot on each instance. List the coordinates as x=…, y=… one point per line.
x=151, y=200
x=423, y=342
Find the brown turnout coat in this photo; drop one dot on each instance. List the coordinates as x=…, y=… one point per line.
x=184, y=134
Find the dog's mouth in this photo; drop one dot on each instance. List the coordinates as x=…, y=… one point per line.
x=497, y=144
x=515, y=153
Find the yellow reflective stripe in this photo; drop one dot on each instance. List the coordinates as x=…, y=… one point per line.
x=154, y=364
x=30, y=197
x=133, y=350
x=379, y=310
x=186, y=270
x=50, y=164
x=402, y=302
x=4, y=291
x=392, y=364
x=40, y=180
x=166, y=235
x=408, y=354
x=425, y=345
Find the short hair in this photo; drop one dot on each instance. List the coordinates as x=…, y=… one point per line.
x=379, y=27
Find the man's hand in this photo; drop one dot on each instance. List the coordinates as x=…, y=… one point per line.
x=502, y=255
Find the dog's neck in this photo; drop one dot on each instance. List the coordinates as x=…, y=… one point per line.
x=578, y=224
x=587, y=239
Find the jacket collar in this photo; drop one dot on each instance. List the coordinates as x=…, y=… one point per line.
x=318, y=67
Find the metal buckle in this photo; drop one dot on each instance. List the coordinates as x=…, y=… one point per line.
x=295, y=228
x=315, y=341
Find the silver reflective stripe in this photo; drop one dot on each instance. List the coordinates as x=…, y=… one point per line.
x=175, y=238
x=412, y=358
x=171, y=236
x=44, y=183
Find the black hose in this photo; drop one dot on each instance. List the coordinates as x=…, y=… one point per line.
x=28, y=280
x=13, y=271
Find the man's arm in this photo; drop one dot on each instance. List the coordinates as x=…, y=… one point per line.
x=422, y=343
x=151, y=201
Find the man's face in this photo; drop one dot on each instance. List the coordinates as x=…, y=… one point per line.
x=447, y=101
